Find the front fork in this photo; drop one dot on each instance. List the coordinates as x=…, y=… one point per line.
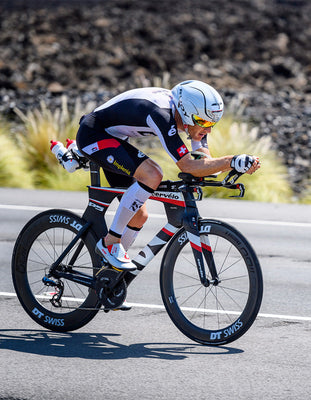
x=201, y=250
x=209, y=258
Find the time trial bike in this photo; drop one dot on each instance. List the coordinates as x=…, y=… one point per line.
x=210, y=278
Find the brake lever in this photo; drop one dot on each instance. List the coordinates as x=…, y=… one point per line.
x=241, y=188
x=229, y=182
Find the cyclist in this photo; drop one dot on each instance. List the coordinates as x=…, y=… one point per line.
x=192, y=106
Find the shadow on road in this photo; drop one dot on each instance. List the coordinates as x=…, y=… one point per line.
x=98, y=346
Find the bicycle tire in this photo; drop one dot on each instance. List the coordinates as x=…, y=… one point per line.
x=213, y=315
x=38, y=245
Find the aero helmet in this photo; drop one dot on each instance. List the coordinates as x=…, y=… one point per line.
x=197, y=98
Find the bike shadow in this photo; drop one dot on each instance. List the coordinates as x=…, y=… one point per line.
x=99, y=346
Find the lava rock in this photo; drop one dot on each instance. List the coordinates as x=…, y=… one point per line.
x=257, y=53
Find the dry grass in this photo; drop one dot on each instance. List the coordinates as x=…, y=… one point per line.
x=13, y=169
x=42, y=126
x=32, y=153
x=306, y=195
x=270, y=182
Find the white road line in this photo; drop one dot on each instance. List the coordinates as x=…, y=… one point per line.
x=31, y=208
x=230, y=220
x=161, y=307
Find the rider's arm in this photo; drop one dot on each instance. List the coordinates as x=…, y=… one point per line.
x=209, y=166
x=204, y=166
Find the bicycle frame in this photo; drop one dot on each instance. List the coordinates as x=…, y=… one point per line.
x=181, y=211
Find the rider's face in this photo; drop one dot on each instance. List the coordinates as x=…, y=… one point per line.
x=197, y=133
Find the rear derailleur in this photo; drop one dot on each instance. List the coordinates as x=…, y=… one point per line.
x=59, y=290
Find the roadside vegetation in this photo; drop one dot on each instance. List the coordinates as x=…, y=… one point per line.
x=27, y=162
x=14, y=171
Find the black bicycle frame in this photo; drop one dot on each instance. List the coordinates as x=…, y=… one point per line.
x=181, y=211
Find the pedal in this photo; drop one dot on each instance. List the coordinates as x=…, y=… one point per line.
x=123, y=307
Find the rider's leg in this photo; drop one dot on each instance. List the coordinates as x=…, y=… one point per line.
x=122, y=158
x=136, y=223
x=133, y=228
x=149, y=176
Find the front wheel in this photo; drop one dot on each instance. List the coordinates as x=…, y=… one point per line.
x=38, y=246
x=225, y=310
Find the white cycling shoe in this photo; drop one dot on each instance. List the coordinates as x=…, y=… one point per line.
x=115, y=255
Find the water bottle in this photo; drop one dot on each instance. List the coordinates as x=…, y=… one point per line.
x=64, y=156
x=83, y=161
x=72, y=146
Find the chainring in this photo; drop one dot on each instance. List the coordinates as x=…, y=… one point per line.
x=110, y=288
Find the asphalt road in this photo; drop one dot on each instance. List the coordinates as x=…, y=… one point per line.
x=140, y=353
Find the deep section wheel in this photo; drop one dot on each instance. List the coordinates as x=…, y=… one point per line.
x=225, y=310
x=57, y=304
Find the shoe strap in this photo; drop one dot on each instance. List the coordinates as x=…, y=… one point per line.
x=120, y=251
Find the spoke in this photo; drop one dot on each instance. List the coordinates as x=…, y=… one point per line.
x=216, y=244
x=187, y=286
x=189, y=297
x=54, y=244
x=204, y=314
x=189, y=260
x=231, y=298
x=35, y=282
x=51, y=244
x=42, y=288
x=230, y=266
x=233, y=290
x=221, y=306
x=224, y=261
x=40, y=257
x=37, y=269
x=72, y=250
x=203, y=301
x=234, y=277
x=76, y=286
x=63, y=240
x=188, y=276
x=82, y=255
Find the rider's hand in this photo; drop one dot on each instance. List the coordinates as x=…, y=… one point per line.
x=245, y=163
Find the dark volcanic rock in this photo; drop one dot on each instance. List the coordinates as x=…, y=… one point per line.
x=256, y=52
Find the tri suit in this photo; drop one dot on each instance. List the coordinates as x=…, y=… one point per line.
x=103, y=135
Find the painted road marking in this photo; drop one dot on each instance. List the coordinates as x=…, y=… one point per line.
x=161, y=307
x=158, y=216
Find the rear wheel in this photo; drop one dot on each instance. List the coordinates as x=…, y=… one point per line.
x=224, y=311
x=40, y=244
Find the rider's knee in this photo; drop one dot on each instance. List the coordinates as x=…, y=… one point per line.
x=157, y=174
x=149, y=173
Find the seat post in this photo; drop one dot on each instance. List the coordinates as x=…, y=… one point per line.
x=95, y=174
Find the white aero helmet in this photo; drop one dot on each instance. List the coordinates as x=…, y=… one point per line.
x=197, y=99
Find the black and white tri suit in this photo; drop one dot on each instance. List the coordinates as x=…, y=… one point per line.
x=103, y=134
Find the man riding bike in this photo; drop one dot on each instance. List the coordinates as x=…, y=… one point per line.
x=191, y=106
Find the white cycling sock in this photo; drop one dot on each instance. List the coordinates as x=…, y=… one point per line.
x=131, y=201
x=129, y=235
